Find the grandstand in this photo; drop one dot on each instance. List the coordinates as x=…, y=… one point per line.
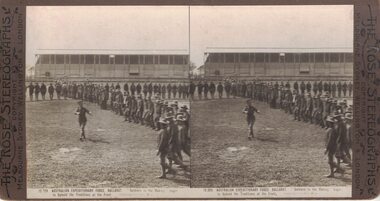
x=275, y=63
x=111, y=65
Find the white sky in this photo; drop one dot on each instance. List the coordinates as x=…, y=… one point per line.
x=106, y=27
x=167, y=27
x=269, y=26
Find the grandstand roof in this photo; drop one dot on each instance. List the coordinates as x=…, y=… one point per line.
x=113, y=51
x=277, y=50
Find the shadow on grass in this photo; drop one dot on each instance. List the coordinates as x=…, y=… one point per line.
x=97, y=141
x=266, y=139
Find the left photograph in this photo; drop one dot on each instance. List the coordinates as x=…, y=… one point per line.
x=107, y=97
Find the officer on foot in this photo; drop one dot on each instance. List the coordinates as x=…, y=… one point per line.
x=250, y=111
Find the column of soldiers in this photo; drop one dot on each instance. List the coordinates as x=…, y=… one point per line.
x=319, y=103
x=88, y=91
x=144, y=104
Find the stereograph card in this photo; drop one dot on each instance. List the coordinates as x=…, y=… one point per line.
x=189, y=99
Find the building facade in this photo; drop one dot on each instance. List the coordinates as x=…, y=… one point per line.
x=272, y=65
x=111, y=66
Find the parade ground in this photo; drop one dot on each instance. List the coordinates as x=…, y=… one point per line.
x=284, y=152
x=115, y=154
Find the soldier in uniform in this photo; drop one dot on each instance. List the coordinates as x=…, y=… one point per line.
x=51, y=91
x=145, y=89
x=138, y=88
x=205, y=90
x=287, y=85
x=163, y=91
x=180, y=91
x=126, y=87
x=295, y=86
x=234, y=89
x=326, y=87
x=81, y=112
x=31, y=91
x=169, y=90
x=140, y=110
x=220, y=90
x=303, y=87
x=250, y=110
x=348, y=123
x=58, y=89
x=133, y=89
x=127, y=109
x=315, y=87
x=344, y=88
x=212, y=89
x=157, y=114
x=134, y=109
x=331, y=145
x=333, y=89
x=43, y=90
x=350, y=88
x=174, y=89
x=192, y=90
x=339, y=87
x=37, y=91
x=227, y=87
x=150, y=89
x=199, y=89
x=163, y=147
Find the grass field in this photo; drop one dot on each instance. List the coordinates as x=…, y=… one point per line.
x=116, y=154
x=284, y=153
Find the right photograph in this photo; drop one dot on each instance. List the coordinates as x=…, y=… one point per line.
x=271, y=96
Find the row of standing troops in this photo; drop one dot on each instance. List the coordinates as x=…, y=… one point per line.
x=85, y=90
x=248, y=88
